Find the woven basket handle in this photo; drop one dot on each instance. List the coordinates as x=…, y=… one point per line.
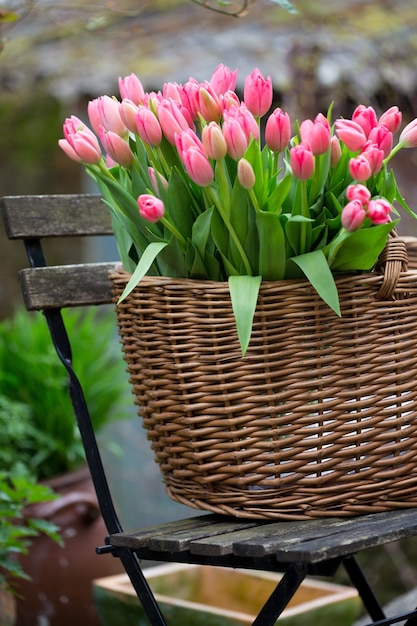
x=392, y=261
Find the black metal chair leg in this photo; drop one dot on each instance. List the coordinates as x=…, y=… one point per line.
x=365, y=591
x=282, y=594
x=412, y=621
x=143, y=591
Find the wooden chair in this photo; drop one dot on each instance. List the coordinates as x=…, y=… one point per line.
x=313, y=547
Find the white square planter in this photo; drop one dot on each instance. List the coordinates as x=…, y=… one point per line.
x=194, y=595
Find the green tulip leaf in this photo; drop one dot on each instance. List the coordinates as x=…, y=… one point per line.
x=244, y=292
x=146, y=260
x=316, y=269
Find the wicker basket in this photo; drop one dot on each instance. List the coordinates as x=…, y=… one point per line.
x=319, y=418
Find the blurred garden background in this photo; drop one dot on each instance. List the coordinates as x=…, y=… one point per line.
x=58, y=54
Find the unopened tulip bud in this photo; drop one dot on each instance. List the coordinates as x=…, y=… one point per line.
x=236, y=138
x=104, y=111
x=173, y=118
x=316, y=134
x=365, y=117
x=379, y=211
x=128, y=110
x=214, y=142
x=302, y=161
x=245, y=174
x=391, y=119
x=209, y=104
x=117, y=148
x=148, y=127
x=150, y=207
x=351, y=133
x=223, y=79
x=383, y=138
x=197, y=166
x=131, y=88
x=335, y=151
x=353, y=215
x=257, y=93
x=358, y=192
x=156, y=178
x=408, y=136
x=360, y=168
x=278, y=130
x=374, y=156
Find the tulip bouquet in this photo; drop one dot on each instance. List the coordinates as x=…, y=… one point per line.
x=196, y=189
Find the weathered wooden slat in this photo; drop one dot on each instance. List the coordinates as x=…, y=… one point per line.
x=319, y=540
x=66, y=285
x=361, y=535
x=139, y=538
x=33, y=217
x=183, y=540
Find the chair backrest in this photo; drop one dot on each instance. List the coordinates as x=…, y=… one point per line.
x=34, y=219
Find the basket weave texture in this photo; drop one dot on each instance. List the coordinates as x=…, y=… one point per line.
x=318, y=419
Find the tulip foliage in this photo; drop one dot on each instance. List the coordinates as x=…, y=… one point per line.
x=196, y=188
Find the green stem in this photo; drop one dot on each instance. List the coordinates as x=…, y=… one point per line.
x=174, y=231
x=394, y=151
x=214, y=197
x=304, y=213
x=254, y=199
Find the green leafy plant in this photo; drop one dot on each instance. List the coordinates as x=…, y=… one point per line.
x=43, y=432
x=194, y=190
x=18, y=489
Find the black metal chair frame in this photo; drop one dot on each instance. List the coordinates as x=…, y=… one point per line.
x=311, y=547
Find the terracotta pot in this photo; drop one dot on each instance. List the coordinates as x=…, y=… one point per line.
x=60, y=592
x=7, y=608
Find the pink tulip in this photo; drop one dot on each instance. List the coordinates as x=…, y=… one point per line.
x=116, y=147
x=214, y=142
x=148, y=127
x=236, y=138
x=302, y=161
x=316, y=134
x=379, y=211
x=69, y=151
x=365, y=117
x=374, y=156
x=382, y=137
x=80, y=143
x=335, y=151
x=131, y=88
x=278, y=130
x=128, y=110
x=257, y=93
x=208, y=103
x=223, y=79
x=358, y=192
x=172, y=91
x=391, y=119
x=246, y=120
x=173, y=118
x=408, y=136
x=360, y=168
x=156, y=177
x=150, y=207
x=245, y=174
x=190, y=94
x=351, y=133
x=353, y=215
x=197, y=166
x=104, y=111
x=188, y=139
x=229, y=99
